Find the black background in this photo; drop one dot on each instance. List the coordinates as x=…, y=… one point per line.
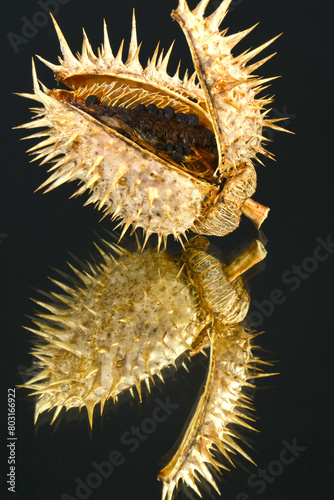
x=37, y=231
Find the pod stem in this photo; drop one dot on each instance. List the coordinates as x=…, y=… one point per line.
x=256, y=212
x=247, y=259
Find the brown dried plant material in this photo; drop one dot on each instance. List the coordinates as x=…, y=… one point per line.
x=134, y=314
x=159, y=152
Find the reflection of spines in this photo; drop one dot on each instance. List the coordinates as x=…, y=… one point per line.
x=222, y=405
x=130, y=318
x=223, y=402
x=126, y=319
x=127, y=316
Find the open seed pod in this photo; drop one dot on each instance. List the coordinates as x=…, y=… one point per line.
x=130, y=317
x=160, y=152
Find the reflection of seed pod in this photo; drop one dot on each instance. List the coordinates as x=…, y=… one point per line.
x=104, y=131
x=132, y=316
x=129, y=318
x=223, y=403
x=227, y=301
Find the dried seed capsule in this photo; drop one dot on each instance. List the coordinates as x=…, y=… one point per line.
x=192, y=197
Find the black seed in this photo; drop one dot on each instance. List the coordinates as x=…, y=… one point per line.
x=160, y=113
x=192, y=119
x=91, y=100
x=215, y=150
x=160, y=145
x=141, y=107
x=124, y=133
x=169, y=147
x=152, y=109
x=169, y=112
x=177, y=157
x=179, y=148
x=181, y=117
x=208, y=133
x=186, y=149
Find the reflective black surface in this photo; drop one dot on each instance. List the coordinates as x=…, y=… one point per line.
x=292, y=297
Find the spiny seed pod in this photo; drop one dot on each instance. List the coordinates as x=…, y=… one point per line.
x=160, y=152
x=131, y=317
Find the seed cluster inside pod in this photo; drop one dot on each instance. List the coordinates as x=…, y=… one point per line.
x=176, y=137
